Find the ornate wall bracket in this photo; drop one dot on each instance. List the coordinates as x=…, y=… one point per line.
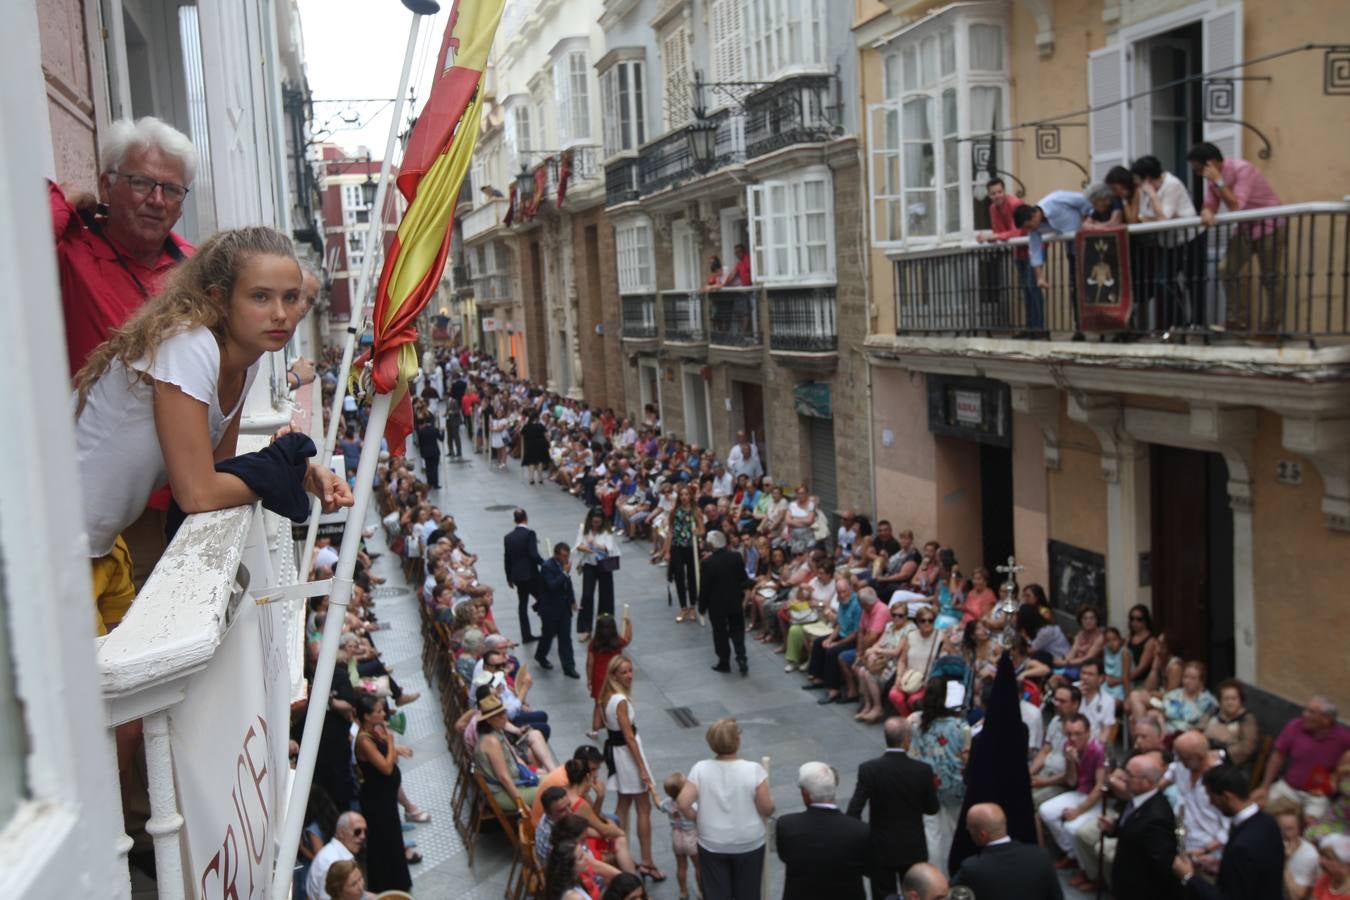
x=1326, y=442
x=1221, y=104
x=1048, y=146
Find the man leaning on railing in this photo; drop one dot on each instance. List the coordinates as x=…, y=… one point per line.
x=1240, y=185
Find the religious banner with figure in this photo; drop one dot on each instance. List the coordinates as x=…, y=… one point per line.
x=229, y=738
x=1104, y=298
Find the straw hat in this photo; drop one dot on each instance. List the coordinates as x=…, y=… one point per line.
x=490, y=706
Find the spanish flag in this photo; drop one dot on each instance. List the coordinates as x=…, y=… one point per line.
x=434, y=165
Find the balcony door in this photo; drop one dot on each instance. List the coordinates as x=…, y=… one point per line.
x=688, y=270
x=697, y=416
x=1192, y=557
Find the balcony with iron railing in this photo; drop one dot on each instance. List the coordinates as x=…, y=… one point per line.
x=639, y=317
x=796, y=110
x=669, y=161
x=682, y=317
x=492, y=287
x=1268, y=275
x=802, y=320
x=733, y=315
x=664, y=162
x=621, y=181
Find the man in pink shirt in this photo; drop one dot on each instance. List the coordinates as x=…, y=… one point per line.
x=1239, y=185
x=1311, y=746
x=873, y=621
x=1001, y=208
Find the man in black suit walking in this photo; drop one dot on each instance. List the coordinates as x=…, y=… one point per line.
x=1004, y=868
x=522, y=569
x=1253, y=859
x=1146, y=836
x=901, y=791
x=721, y=597
x=557, y=603
x=824, y=850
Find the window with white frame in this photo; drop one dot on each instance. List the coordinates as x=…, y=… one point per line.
x=524, y=139
x=792, y=228
x=784, y=36
x=728, y=45
x=946, y=89
x=572, y=92
x=675, y=61
x=624, y=106
x=633, y=249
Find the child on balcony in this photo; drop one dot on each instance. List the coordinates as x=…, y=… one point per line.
x=161, y=399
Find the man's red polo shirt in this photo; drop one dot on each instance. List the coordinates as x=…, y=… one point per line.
x=99, y=291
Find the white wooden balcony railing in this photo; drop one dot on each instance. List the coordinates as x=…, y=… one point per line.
x=484, y=218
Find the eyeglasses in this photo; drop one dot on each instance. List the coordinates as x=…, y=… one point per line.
x=925, y=621
x=142, y=186
x=897, y=615
x=358, y=831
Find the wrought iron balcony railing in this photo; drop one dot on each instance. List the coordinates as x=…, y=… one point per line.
x=621, y=181
x=802, y=320
x=1270, y=274
x=664, y=162
x=733, y=315
x=683, y=317
x=491, y=288
x=796, y=110
x=639, y=316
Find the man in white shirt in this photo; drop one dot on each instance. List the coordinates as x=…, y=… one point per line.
x=722, y=482
x=1049, y=772
x=1206, y=826
x=1100, y=708
x=744, y=458
x=1163, y=195
x=347, y=842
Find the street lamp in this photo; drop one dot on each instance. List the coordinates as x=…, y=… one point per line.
x=702, y=132
x=525, y=184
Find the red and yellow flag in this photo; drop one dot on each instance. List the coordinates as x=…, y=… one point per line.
x=434, y=165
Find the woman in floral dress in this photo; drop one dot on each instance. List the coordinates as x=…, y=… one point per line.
x=942, y=739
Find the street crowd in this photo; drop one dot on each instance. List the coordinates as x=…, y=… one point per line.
x=1130, y=770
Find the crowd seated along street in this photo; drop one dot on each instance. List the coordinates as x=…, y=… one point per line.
x=896, y=629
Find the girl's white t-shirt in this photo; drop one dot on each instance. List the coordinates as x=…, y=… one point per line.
x=727, y=819
x=116, y=446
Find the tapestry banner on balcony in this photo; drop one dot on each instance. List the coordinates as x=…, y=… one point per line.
x=1103, y=287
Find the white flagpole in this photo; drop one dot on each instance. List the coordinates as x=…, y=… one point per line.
x=341, y=593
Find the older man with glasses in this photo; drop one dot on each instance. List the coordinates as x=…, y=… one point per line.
x=114, y=251
x=348, y=841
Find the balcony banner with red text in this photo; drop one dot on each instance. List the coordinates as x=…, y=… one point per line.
x=229, y=737
x=1104, y=298
x=434, y=165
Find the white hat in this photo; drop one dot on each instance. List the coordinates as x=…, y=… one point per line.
x=1338, y=844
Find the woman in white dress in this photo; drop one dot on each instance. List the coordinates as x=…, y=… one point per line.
x=497, y=435
x=629, y=776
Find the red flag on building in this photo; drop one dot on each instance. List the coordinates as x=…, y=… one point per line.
x=564, y=175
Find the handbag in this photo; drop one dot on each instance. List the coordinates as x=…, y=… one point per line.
x=801, y=613
x=818, y=629
x=914, y=679
x=607, y=564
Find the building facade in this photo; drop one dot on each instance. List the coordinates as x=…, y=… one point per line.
x=730, y=130
x=1185, y=456
x=347, y=187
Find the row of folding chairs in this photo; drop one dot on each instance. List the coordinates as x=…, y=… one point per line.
x=472, y=802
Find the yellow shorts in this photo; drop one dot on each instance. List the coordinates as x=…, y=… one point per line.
x=113, y=588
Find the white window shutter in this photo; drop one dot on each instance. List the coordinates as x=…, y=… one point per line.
x=754, y=203
x=1222, y=39
x=1107, y=127
x=675, y=50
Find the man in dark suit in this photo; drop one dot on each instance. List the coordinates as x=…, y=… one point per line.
x=557, y=603
x=1004, y=868
x=429, y=445
x=901, y=791
x=1146, y=839
x=721, y=596
x=824, y=850
x=522, y=569
x=1253, y=859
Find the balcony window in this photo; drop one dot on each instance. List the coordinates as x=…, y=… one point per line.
x=784, y=36
x=633, y=248
x=792, y=228
x=728, y=46
x=621, y=94
x=572, y=91
x=675, y=61
x=946, y=84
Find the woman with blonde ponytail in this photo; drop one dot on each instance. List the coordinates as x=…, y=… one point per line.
x=160, y=400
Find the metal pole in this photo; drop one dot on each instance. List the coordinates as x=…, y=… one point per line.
x=374, y=239
x=332, y=632
x=356, y=516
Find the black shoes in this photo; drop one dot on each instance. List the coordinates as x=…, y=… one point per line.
x=571, y=673
x=744, y=667
x=721, y=667
x=813, y=686
x=543, y=663
x=528, y=639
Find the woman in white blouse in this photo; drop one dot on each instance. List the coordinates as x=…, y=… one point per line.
x=595, y=546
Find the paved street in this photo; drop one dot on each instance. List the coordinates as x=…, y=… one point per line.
x=778, y=719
